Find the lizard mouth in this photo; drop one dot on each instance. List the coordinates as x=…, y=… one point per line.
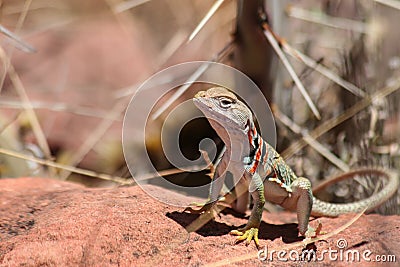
x=208, y=111
x=204, y=105
x=200, y=103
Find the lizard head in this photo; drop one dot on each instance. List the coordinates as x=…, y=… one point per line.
x=222, y=106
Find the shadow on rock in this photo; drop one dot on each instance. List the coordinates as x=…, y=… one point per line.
x=288, y=232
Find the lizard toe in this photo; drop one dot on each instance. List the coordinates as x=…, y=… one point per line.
x=247, y=235
x=311, y=232
x=207, y=208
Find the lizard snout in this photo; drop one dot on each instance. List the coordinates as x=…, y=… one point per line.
x=200, y=94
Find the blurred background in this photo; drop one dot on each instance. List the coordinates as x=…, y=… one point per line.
x=69, y=69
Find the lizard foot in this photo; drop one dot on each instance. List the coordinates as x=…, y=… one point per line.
x=312, y=233
x=248, y=234
x=197, y=205
x=207, y=208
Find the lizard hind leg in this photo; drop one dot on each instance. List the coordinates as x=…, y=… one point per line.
x=301, y=191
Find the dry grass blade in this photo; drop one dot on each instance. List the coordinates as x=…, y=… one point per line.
x=126, y=91
x=20, y=44
x=203, y=67
x=181, y=90
x=125, y=5
x=325, y=20
x=62, y=107
x=23, y=15
x=5, y=126
x=322, y=69
x=274, y=43
x=173, y=45
x=206, y=18
x=98, y=133
x=26, y=104
x=310, y=140
x=21, y=20
x=35, y=6
x=347, y=114
x=389, y=3
x=326, y=153
x=254, y=255
x=89, y=173
x=68, y=168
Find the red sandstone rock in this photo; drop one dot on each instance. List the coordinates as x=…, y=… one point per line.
x=52, y=223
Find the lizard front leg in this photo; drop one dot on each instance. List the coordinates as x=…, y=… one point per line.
x=215, y=188
x=241, y=202
x=250, y=231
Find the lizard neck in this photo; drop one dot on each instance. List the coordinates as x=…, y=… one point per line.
x=257, y=148
x=236, y=139
x=252, y=135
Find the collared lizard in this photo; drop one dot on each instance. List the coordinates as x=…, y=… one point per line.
x=265, y=174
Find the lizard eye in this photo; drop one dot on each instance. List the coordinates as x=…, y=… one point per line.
x=225, y=102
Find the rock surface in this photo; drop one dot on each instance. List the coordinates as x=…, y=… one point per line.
x=51, y=223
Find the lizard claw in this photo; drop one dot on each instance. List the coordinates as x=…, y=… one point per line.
x=197, y=204
x=311, y=232
x=248, y=234
x=207, y=208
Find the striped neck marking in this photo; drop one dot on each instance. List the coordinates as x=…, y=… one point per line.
x=257, y=149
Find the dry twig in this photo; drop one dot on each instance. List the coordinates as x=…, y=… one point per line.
x=274, y=43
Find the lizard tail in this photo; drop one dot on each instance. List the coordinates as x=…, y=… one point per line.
x=322, y=208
